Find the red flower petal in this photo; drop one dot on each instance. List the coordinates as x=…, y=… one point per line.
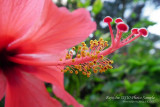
x=60, y=29
x=54, y=76
x=41, y=57
x=23, y=90
x=2, y=85
x=65, y=96
x=17, y=16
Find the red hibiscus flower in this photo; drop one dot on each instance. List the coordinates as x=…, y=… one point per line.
x=37, y=29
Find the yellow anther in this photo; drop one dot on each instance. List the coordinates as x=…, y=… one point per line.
x=89, y=73
x=86, y=67
x=83, y=43
x=91, y=42
x=89, y=68
x=68, y=56
x=86, y=48
x=94, y=43
x=100, y=39
x=101, y=70
x=88, y=54
x=105, y=62
x=62, y=70
x=71, y=71
x=95, y=56
x=110, y=67
x=84, y=73
x=88, y=76
x=94, y=61
x=91, y=47
x=71, y=52
x=76, y=72
x=83, y=48
x=91, y=64
x=95, y=71
x=80, y=47
x=73, y=60
x=100, y=48
x=80, y=69
x=97, y=44
x=78, y=56
x=101, y=66
x=76, y=66
x=73, y=48
x=94, y=67
x=83, y=53
x=97, y=52
x=60, y=59
x=67, y=68
x=101, y=56
x=92, y=55
x=101, y=43
x=111, y=62
x=106, y=43
x=106, y=67
x=95, y=40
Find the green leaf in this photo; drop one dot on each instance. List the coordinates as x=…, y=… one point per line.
x=83, y=5
x=117, y=69
x=97, y=88
x=143, y=23
x=136, y=87
x=127, y=84
x=155, y=68
x=97, y=6
x=134, y=62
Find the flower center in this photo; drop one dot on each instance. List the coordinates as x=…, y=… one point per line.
x=6, y=64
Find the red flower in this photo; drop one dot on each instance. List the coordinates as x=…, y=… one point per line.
x=37, y=29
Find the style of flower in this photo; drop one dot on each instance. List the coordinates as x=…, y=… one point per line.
x=37, y=30
x=91, y=59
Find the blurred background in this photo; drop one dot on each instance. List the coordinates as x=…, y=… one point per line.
x=136, y=71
